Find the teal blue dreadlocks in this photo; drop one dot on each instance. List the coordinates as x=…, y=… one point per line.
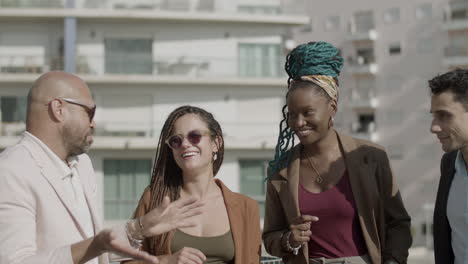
x=313, y=58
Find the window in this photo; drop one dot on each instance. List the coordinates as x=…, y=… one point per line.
x=268, y=10
x=458, y=10
x=395, y=152
x=394, y=49
x=363, y=21
x=252, y=176
x=13, y=109
x=365, y=55
x=124, y=183
x=129, y=56
x=423, y=11
x=259, y=60
x=332, y=23
x=392, y=15
x=366, y=123
x=306, y=28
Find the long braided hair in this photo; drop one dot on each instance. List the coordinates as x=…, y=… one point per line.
x=313, y=58
x=166, y=179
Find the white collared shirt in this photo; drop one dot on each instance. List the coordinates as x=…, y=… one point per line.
x=457, y=211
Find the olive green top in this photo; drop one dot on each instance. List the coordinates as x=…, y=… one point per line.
x=217, y=249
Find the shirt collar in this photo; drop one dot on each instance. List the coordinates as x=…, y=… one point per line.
x=460, y=166
x=63, y=168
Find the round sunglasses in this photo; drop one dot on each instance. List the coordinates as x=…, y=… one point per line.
x=194, y=137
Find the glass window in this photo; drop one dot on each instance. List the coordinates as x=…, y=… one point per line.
x=268, y=10
x=394, y=49
x=259, y=60
x=423, y=11
x=366, y=123
x=124, y=183
x=363, y=21
x=332, y=23
x=252, y=181
x=392, y=15
x=129, y=56
x=13, y=109
x=395, y=151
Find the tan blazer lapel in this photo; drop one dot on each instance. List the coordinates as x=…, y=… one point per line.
x=52, y=176
x=361, y=173
x=233, y=211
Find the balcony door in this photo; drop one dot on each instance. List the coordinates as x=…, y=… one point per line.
x=259, y=60
x=128, y=56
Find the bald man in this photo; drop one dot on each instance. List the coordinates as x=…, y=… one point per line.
x=48, y=195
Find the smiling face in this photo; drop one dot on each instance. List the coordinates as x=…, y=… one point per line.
x=449, y=121
x=191, y=156
x=309, y=113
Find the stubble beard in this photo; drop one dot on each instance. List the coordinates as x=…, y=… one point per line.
x=75, y=144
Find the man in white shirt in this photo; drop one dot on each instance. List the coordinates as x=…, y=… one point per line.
x=449, y=108
x=48, y=195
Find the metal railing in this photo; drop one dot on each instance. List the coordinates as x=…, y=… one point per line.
x=455, y=51
x=263, y=7
x=188, y=66
x=20, y=63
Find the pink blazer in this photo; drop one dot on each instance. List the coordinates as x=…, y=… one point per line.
x=37, y=221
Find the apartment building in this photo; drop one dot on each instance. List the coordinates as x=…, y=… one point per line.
x=144, y=58
x=391, y=49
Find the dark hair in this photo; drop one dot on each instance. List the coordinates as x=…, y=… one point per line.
x=455, y=81
x=166, y=179
x=313, y=58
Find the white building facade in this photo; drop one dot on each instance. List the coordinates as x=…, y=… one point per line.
x=144, y=58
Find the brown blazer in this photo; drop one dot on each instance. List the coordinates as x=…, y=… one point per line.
x=384, y=221
x=244, y=219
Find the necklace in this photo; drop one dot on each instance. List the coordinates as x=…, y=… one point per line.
x=319, y=178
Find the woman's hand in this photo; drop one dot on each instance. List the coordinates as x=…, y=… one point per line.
x=169, y=216
x=186, y=255
x=300, y=230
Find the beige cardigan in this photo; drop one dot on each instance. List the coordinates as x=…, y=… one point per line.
x=384, y=221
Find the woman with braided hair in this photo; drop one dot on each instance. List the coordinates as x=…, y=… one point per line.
x=331, y=198
x=189, y=155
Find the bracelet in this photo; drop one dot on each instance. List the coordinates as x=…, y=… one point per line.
x=134, y=242
x=141, y=226
x=294, y=250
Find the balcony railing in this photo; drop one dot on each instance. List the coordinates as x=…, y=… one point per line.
x=456, y=51
x=270, y=7
x=364, y=99
x=362, y=65
x=187, y=66
x=29, y=64
x=12, y=129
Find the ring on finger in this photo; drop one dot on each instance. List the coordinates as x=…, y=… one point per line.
x=302, y=233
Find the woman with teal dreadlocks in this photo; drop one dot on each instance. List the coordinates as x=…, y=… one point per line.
x=331, y=198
